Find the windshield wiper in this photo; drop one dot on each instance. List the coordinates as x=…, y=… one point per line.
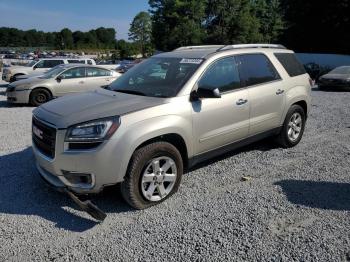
x=132, y=92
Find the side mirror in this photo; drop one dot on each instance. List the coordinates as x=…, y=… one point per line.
x=34, y=67
x=203, y=92
x=59, y=79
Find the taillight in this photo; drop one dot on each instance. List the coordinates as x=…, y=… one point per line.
x=311, y=82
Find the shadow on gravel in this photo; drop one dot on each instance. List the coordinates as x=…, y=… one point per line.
x=331, y=89
x=322, y=195
x=263, y=146
x=22, y=192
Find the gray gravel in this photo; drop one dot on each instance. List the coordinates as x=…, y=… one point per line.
x=296, y=206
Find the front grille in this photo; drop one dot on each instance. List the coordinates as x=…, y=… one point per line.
x=44, y=137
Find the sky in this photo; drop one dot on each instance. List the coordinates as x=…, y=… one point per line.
x=83, y=15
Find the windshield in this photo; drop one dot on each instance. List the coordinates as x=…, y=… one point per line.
x=157, y=77
x=53, y=72
x=341, y=70
x=30, y=64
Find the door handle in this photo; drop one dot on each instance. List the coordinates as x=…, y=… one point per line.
x=241, y=102
x=81, y=82
x=279, y=91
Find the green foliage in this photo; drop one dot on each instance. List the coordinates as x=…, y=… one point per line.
x=188, y=22
x=101, y=38
x=317, y=26
x=177, y=22
x=126, y=49
x=141, y=32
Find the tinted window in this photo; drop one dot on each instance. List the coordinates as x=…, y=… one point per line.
x=95, y=72
x=256, y=69
x=76, y=61
x=89, y=62
x=223, y=74
x=291, y=64
x=73, y=73
x=51, y=63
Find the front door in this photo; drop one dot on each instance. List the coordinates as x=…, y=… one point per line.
x=71, y=81
x=220, y=121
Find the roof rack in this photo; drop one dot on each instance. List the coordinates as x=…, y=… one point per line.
x=198, y=47
x=229, y=47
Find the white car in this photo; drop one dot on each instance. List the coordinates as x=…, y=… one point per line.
x=39, y=67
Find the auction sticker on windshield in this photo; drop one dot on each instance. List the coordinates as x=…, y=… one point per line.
x=191, y=61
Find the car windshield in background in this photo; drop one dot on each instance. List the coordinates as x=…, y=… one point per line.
x=53, y=73
x=157, y=77
x=344, y=70
x=30, y=64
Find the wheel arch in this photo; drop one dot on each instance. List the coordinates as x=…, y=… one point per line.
x=174, y=139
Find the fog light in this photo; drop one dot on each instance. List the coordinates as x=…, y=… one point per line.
x=78, y=178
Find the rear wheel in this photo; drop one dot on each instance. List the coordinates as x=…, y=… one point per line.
x=154, y=174
x=293, y=127
x=39, y=97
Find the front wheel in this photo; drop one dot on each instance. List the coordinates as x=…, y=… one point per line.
x=153, y=175
x=293, y=127
x=39, y=97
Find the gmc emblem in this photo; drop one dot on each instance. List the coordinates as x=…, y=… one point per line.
x=37, y=132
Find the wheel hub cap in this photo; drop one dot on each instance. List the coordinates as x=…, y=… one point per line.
x=159, y=178
x=294, y=127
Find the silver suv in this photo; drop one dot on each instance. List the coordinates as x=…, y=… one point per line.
x=167, y=114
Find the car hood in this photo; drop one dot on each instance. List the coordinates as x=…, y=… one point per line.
x=336, y=76
x=27, y=81
x=74, y=109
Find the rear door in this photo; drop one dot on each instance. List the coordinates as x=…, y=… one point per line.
x=98, y=77
x=220, y=121
x=72, y=81
x=266, y=91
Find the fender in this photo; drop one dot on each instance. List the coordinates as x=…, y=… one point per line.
x=143, y=131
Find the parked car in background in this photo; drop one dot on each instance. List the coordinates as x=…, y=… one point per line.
x=63, y=80
x=338, y=77
x=39, y=67
x=167, y=114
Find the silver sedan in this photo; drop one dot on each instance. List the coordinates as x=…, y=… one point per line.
x=60, y=81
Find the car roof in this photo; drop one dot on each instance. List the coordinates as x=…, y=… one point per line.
x=204, y=51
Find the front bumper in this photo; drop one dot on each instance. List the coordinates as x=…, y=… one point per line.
x=18, y=97
x=81, y=171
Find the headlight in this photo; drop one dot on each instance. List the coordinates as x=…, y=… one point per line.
x=10, y=88
x=93, y=131
x=6, y=71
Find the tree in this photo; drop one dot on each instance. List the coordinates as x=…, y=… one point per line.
x=126, y=49
x=317, y=26
x=66, y=38
x=177, y=22
x=141, y=32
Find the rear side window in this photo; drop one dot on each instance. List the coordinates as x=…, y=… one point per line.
x=96, y=72
x=76, y=61
x=222, y=74
x=291, y=63
x=52, y=63
x=256, y=69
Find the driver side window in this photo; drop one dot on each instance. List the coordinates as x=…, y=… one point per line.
x=222, y=74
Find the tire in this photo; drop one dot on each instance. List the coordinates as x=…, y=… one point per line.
x=39, y=97
x=136, y=191
x=286, y=138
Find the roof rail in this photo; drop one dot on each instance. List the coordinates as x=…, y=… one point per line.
x=198, y=47
x=229, y=47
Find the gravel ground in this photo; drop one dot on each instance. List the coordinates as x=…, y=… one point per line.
x=296, y=206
